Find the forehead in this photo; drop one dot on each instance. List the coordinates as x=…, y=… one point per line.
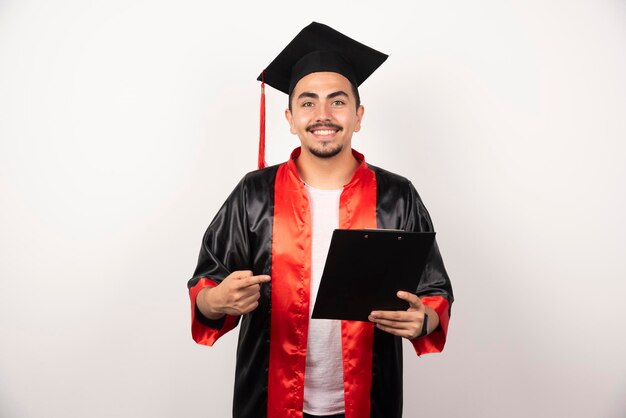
x=323, y=82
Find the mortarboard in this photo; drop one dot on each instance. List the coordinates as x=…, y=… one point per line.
x=316, y=48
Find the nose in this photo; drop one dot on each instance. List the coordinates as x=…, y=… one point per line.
x=323, y=112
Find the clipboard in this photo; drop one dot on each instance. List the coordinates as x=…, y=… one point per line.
x=365, y=268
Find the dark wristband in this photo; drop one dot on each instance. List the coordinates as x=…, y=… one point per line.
x=424, y=327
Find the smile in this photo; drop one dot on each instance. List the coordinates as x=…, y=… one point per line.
x=324, y=132
x=324, y=129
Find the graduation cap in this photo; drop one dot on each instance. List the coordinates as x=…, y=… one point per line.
x=317, y=48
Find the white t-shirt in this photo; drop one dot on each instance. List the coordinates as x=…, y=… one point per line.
x=323, y=376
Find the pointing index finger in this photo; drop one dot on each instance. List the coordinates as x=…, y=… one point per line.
x=254, y=280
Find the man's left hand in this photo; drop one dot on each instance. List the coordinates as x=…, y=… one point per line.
x=407, y=324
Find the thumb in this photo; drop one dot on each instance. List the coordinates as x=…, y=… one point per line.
x=413, y=300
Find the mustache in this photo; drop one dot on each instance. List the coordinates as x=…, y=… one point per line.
x=321, y=125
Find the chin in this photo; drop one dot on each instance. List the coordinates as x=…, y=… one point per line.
x=325, y=152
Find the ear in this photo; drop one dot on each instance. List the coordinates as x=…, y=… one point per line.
x=289, y=118
x=359, y=116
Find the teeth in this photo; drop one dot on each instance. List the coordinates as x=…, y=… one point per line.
x=325, y=132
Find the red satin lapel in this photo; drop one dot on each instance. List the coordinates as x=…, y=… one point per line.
x=358, y=210
x=291, y=269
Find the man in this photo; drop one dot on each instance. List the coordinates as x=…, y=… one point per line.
x=263, y=254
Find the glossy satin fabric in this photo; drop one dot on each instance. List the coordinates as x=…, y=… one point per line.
x=291, y=271
x=264, y=226
x=357, y=210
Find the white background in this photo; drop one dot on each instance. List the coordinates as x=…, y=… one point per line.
x=125, y=124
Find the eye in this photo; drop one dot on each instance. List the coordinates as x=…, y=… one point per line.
x=307, y=104
x=338, y=103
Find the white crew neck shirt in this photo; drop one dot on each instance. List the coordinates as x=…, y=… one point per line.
x=323, y=376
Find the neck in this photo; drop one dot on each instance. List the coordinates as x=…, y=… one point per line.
x=326, y=173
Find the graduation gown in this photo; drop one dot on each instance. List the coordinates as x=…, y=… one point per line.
x=265, y=226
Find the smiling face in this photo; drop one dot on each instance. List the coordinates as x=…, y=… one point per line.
x=324, y=114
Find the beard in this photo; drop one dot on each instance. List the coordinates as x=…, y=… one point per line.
x=325, y=150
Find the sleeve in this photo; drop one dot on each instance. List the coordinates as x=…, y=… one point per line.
x=224, y=250
x=435, y=289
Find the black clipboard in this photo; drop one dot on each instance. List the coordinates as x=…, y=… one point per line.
x=365, y=268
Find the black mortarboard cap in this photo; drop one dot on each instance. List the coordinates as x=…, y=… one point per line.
x=317, y=48
x=321, y=48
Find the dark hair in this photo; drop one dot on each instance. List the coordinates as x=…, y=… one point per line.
x=355, y=92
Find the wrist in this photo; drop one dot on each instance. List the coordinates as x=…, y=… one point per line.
x=207, y=305
x=424, y=331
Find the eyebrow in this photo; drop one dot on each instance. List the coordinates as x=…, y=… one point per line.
x=337, y=94
x=316, y=96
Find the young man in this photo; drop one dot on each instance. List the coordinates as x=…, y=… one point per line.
x=262, y=256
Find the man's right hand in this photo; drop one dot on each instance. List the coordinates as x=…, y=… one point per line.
x=237, y=294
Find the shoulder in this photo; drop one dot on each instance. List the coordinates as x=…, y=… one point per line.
x=400, y=206
x=261, y=175
x=388, y=181
x=252, y=196
x=259, y=180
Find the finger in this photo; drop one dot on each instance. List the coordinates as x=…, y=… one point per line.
x=241, y=309
x=397, y=316
x=243, y=303
x=400, y=332
x=403, y=323
x=390, y=324
x=409, y=329
x=240, y=274
x=253, y=280
x=413, y=300
x=245, y=292
x=252, y=306
x=253, y=297
x=248, y=300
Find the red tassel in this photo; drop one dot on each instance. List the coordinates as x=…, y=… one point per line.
x=262, y=163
